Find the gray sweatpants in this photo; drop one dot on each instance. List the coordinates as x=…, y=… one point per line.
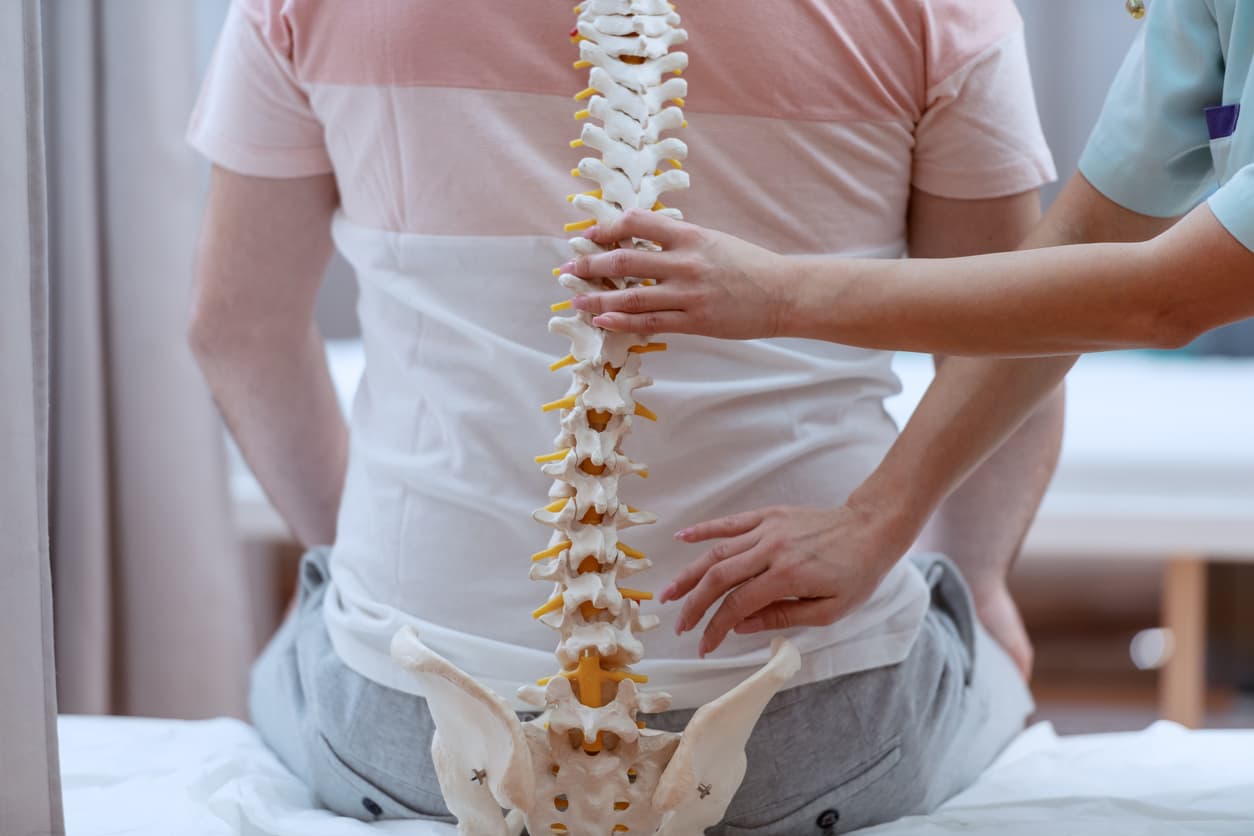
x=825, y=758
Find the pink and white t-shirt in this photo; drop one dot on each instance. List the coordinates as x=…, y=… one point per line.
x=447, y=128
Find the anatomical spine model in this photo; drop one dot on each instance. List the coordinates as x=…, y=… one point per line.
x=585, y=766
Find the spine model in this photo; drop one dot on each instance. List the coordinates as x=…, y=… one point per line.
x=626, y=45
x=585, y=766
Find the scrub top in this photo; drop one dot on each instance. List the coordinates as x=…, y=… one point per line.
x=1178, y=122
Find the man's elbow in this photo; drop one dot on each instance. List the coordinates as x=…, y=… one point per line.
x=227, y=330
x=212, y=331
x=204, y=332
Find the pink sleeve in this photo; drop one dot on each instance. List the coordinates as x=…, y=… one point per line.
x=980, y=135
x=253, y=116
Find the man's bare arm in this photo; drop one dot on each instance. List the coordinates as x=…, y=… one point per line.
x=981, y=525
x=264, y=246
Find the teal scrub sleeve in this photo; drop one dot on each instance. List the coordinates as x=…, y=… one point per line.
x=1150, y=150
x=1233, y=205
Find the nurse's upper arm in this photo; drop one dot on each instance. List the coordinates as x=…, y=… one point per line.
x=264, y=246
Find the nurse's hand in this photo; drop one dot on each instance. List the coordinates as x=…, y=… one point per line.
x=708, y=283
x=784, y=567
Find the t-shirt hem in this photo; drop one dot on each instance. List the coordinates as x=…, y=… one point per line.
x=1010, y=179
x=257, y=162
x=885, y=648
x=888, y=644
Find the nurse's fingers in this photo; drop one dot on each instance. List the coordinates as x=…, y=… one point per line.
x=640, y=223
x=728, y=526
x=742, y=602
x=641, y=299
x=624, y=262
x=647, y=324
x=717, y=581
x=694, y=571
x=783, y=615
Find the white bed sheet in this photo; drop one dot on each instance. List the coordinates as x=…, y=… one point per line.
x=216, y=778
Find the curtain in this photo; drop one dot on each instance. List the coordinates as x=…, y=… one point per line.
x=30, y=795
x=152, y=606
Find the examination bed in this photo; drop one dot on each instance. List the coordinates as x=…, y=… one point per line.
x=216, y=778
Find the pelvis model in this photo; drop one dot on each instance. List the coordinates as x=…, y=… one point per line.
x=585, y=766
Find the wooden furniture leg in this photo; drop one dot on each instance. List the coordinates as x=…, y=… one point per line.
x=1182, y=682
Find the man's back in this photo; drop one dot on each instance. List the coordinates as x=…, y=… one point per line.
x=447, y=129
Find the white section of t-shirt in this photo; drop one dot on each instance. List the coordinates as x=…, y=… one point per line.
x=435, y=527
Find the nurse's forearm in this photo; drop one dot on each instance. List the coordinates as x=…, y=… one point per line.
x=956, y=427
x=982, y=523
x=1161, y=293
x=981, y=402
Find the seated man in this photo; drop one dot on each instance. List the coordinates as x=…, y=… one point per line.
x=430, y=142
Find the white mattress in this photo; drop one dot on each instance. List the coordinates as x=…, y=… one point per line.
x=214, y=778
